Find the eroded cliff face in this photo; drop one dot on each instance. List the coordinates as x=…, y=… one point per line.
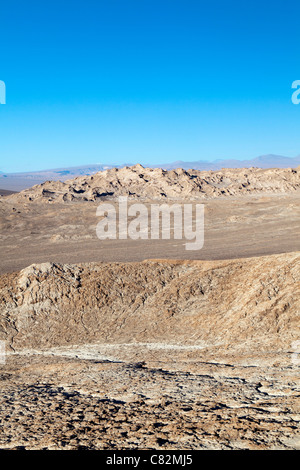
x=242, y=303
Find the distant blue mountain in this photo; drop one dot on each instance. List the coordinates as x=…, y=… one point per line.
x=264, y=161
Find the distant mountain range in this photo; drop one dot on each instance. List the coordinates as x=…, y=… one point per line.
x=265, y=161
x=19, y=181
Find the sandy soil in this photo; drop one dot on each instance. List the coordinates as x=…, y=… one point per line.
x=234, y=227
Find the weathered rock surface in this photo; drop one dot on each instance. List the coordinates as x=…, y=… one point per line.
x=148, y=183
x=170, y=355
x=167, y=401
x=247, y=303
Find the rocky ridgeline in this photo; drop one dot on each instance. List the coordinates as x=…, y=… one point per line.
x=158, y=184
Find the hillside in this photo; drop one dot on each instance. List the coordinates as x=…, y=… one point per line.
x=148, y=183
x=246, y=303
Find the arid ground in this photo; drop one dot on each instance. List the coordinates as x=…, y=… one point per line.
x=141, y=344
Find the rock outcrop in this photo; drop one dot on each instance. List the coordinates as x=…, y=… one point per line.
x=148, y=183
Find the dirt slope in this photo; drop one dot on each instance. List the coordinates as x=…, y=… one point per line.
x=249, y=303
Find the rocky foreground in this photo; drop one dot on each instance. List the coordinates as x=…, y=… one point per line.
x=158, y=184
x=157, y=354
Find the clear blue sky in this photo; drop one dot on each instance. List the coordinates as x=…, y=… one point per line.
x=147, y=81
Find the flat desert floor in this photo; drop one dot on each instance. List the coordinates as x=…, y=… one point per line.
x=235, y=227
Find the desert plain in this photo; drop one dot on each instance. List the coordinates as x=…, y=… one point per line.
x=142, y=344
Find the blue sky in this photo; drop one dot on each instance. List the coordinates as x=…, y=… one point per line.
x=147, y=81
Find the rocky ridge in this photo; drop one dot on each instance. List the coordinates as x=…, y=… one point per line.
x=244, y=303
x=148, y=183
